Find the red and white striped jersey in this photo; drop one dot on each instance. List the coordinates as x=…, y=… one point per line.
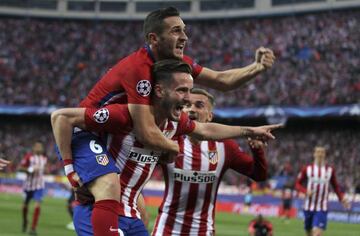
x=136, y=162
x=192, y=181
x=36, y=165
x=318, y=179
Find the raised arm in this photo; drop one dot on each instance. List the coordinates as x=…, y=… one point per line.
x=235, y=78
x=215, y=131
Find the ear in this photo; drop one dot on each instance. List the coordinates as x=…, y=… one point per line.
x=159, y=90
x=153, y=38
x=211, y=116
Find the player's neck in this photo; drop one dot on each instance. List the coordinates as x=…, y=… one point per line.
x=159, y=115
x=319, y=162
x=154, y=53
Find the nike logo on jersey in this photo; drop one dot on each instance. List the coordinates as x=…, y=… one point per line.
x=121, y=233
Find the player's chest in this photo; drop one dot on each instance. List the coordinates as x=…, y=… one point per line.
x=200, y=156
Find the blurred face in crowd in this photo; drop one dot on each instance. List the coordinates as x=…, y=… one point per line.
x=319, y=154
x=171, y=42
x=175, y=95
x=199, y=108
x=38, y=148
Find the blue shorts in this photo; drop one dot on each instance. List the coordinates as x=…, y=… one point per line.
x=37, y=195
x=127, y=226
x=316, y=219
x=90, y=156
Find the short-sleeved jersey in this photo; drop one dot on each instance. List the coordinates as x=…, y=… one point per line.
x=318, y=179
x=136, y=162
x=35, y=179
x=192, y=181
x=129, y=81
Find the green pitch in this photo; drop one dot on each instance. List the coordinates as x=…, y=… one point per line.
x=54, y=218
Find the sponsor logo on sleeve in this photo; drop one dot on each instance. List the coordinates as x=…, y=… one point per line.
x=101, y=115
x=143, y=88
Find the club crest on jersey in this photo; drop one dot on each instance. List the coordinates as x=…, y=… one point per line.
x=102, y=159
x=101, y=115
x=213, y=157
x=143, y=88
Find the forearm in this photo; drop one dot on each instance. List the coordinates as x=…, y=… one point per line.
x=228, y=79
x=63, y=122
x=154, y=139
x=260, y=165
x=146, y=130
x=215, y=131
x=236, y=78
x=62, y=131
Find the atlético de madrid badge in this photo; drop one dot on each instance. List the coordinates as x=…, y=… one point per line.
x=213, y=157
x=102, y=159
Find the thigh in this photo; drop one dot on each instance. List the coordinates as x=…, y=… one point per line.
x=320, y=220
x=308, y=220
x=38, y=195
x=91, y=158
x=132, y=226
x=28, y=195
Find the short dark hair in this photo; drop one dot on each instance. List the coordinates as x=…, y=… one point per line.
x=162, y=70
x=153, y=22
x=205, y=93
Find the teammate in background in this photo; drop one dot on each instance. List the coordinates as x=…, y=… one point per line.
x=33, y=164
x=192, y=181
x=130, y=81
x=3, y=163
x=318, y=176
x=287, y=196
x=260, y=227
x=135, y=161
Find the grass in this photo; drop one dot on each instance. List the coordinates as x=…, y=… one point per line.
x=54, y=218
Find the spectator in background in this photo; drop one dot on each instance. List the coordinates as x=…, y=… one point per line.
x=52, y=60
x=260, y=227
x=33, y=164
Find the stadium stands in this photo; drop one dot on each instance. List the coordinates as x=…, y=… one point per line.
x=56, y=62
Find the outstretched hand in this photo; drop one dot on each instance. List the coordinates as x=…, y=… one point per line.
x=264, y=132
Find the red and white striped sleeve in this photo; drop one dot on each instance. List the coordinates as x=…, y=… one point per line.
x=336, y=186
x=301, y=178
x=254, y=167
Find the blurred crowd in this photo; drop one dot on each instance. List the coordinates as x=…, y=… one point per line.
x=17, y=139
x=292, y=149
x=56, y=62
